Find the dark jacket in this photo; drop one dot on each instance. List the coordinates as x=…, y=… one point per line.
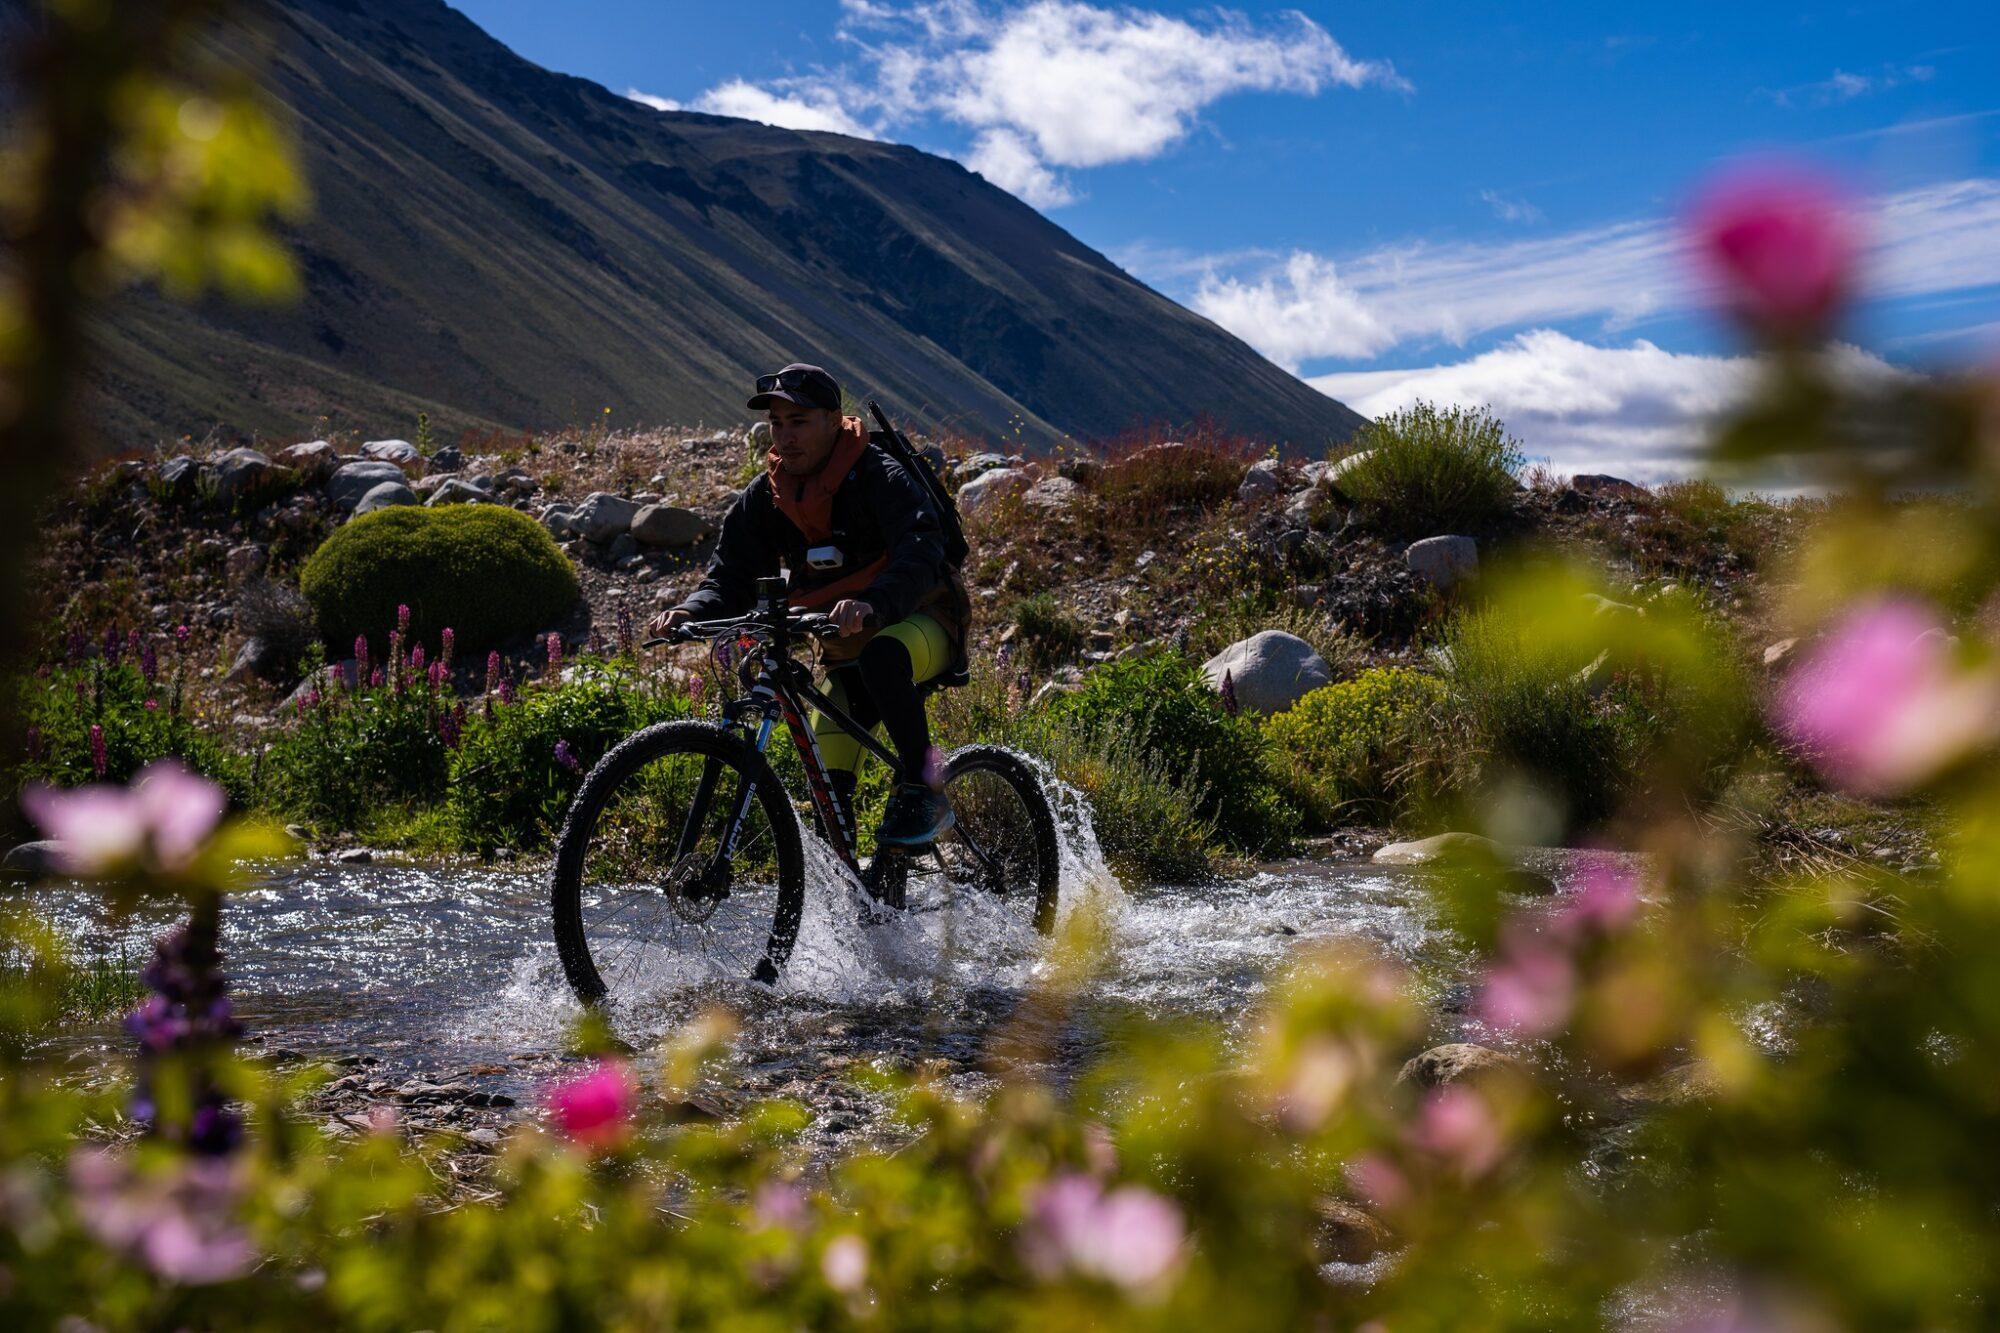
x=880, y=509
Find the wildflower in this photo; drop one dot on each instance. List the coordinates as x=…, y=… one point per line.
x=181, y=635
x=1530, y=988
x=697, y=687
x=98, y=761
x=164, y=817
x=112, y=645
x=555, y=652
x=627, y=640
x=417, y=660
x=1317, y=1082
x=1380, y=1181
x=1130, y=1236
x=396, y=662
x=567, y=757
x=361, y=656
x=595, y=1109
x=187, y=1015
x=132, y=643
x=492, y=671
x=1878, y=707
x=779, y=1203
x=76, y=646
x=506, y=691
x=438, y=677
x=1228, y=692
x=149, y=662
x=1783, y=246
x=180, y=1222
x=447, y=645
x=1607, y=899
x=375, y=678
x=844, y=1263
x=152, y=705
x=451, y=727
x=1458, y=1128
x=403, y=617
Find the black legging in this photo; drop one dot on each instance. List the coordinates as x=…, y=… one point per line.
x=878, y=689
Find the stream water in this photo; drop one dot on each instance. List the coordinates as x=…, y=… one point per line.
x=434, y=968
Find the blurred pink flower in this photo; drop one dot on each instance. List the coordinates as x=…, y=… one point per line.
x=595, y=1109
x=1877, y=705
x=1529, y=989
x=1130, y=1236
x=1456, y=1126
x=164, y=817
x=779, y=1203
x=181, y=1222
x=1380, y=1181
x=844, y=1263
x=1607, y=899
x=1783, y=244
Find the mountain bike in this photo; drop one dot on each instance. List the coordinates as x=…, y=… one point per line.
x=682, y=848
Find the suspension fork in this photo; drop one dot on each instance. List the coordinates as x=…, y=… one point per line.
x=739, y=810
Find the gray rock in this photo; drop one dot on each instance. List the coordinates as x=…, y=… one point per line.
x=177, y=477
x=987, y=491
x=400, y=452
x=252, y=659
x=351, y=481
x=1598, y=485
x=622, y=549
x=1776, y=653
x=384, y=496
x=1330, y=479
x=452, y=491
x=1346, y=1233
x=976, y=464
x=760, y=436
x=603, y=516
x=668, y=526
x=241, y=472
x=1314, y=474
x=1425, y=851
x=245, y=562
x=1262, y=482
x=1443, y=561
x=1269, y=671
x=1052, y=493
x=1443, y=1065
x=314, y=460
x=447, y=459
x=560, y=520
x=32, y=860
x=354, y=856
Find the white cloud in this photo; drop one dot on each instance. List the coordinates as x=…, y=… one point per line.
x=1638, y=411
x=657, y=103
x=811, y=108
x=1048, y=85
x=1510, y=209
x=1929, y=240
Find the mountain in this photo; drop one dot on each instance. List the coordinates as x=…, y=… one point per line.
x=508, y=248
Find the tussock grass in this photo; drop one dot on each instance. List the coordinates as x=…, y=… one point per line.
x=1431, y=470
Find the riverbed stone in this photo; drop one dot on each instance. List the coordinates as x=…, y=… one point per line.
x=1443, y=561
x=1270, y=671
x=1347, y=1233
x=452, y=491
x=351, y=481
x=1453, y=1062
x=668, y=526
x=602, y=516
x=1442, y=846
x=32, y=860
x=386, y=495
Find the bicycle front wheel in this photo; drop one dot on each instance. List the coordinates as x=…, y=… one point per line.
x=679, y=863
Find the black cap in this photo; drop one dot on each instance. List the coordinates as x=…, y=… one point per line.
x=808, y=386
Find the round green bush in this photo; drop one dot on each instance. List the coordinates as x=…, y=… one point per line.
x=487, y=573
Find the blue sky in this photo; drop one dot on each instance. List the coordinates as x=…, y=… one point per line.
x=1464, y=202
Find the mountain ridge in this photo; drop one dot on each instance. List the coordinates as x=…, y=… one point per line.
x=510, y=248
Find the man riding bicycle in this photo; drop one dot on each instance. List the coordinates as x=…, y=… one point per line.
x=861, y=542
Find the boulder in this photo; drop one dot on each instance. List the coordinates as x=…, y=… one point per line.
x=383, y=496
x=314, y=460
x=1052, y=493
x=32, y=860
x=1596, y=485
x=1314, y=474
x=1347, y=1233
x=1262, y=482
x=245, y=562
x=760, y=437
x=1083, y=471
x=177, y=477
x=621, y=548
x=560, y=520
x=977, y=464
x=1425, y=851
x=241, y=472
x=400, y=452
x=452, y=491
x=988, y=490
x=1330, y=479
x=603, y=516
x=668, y=526
x=448, y=459
x=1269, y=671
x=1454, y=1061
x=351, y=481
x=1443, y=561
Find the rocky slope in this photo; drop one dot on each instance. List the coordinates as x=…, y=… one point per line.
x=508, y=248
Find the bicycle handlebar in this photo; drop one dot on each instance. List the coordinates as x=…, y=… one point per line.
x=811, y=625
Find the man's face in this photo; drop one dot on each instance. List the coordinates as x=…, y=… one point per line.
x=802, y=437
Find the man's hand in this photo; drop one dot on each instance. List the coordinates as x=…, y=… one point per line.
x=666, y=620
x=851, y=615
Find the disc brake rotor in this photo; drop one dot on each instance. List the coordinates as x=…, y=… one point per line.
x=686, y=892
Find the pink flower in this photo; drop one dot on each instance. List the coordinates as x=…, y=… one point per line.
x=1877, y=706
x=447, y=644
x=1782, y=243
x=555, y=652
x=595, y=1109
x=779, y=1203
x=1380, y=1181
x=1607, y=899
x=1529, y=989
x=1129, y=1237
x=844, y=1263
x=98, y=761
x=165, y=816
x=492, y=670
x=1456, y=1126
x=180, y=1223
x=403, y=617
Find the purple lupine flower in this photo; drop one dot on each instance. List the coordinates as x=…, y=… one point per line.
x=417, y=659
x=627, y=643
x=492, y=671
x=375, y=678
x=438, y=677
x=697, y=687
x=187, y=1018
x=447, y=645
x=98, y=761
x=506, y=691
x=451, y=726
x=403, y=617
x=567, y=757
x=133, y=643
x=555, y=652
x=361, y=656
x=1229, y=704
x=149, y=662
x=112, y=644
x=76, y=646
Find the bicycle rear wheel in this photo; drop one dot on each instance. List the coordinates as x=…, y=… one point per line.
x=1003, y=841
x=649, y=890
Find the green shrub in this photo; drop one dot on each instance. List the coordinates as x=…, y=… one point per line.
x=488, y=573
x=140, y=720
x=1046, y=634
x=359, y=757
x=1430, y=470
x=509, y=789
x=1162, y=707
x=1151, y=486
x=1348, y=741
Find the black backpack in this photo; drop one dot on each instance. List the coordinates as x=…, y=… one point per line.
x=893, y=440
